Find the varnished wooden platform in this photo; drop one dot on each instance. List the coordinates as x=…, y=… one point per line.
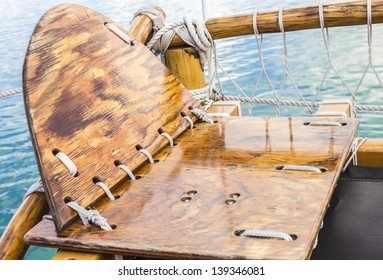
x=220, y=178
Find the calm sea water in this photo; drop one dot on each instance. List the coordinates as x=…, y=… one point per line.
x=239, y=57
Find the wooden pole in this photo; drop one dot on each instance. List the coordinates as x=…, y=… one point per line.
x=142, y=26
x=30, y=212
x=186, y=66
x=337, y=14
x=12, y=245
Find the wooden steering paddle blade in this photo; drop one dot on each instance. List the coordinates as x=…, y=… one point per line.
x=95, y=96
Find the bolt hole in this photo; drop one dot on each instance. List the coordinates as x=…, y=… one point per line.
x=117, y=163
x=323, y=169
x=132, y=43
x=138, y=147
x=160, y=130
x=306, y=123
x=343, y=124
x=190, y=108
x=55, y=151
x=238, y=232
x=230, y=201
x=156, y=160
x=113, y=226
x=294, y=236
x=280, y=167
x=117, y=197
x=192, y=192
x=138, y=177
x=183, y=114
x=96, y=180
x=215, y=121
x=235, y=195
x=186, y=199
x=67, y=199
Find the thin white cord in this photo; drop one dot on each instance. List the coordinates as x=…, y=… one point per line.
x=147, y=154
x=302, y=168
x=127, y=170
x=266, y=234
x=69, y=164
x=170, y=139
x=106, y=190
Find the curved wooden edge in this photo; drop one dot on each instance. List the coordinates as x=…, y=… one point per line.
x=12, y=244
x=336, y=14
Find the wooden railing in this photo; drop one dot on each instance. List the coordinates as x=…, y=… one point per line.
x=337, y=14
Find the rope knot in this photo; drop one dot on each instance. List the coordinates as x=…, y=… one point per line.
x=155, y=15
x=192, y=32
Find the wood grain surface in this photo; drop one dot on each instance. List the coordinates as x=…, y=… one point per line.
x=95, y=98
x=178, y=209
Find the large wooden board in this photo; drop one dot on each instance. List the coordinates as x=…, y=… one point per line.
x=94, y=97
x=209, y=164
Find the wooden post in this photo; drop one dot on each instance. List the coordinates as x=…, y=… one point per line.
x=186, y=66
x=12, y=245
x=336, y=14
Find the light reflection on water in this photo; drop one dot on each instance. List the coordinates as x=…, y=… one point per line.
x=239, y=57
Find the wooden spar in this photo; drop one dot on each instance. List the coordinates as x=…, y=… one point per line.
x=30, y=212
x=12, y=245
x=186, y=66
x=337, y=14
x=142, y=26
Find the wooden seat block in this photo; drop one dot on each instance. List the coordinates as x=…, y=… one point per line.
x=95, y=97
x=218, y=179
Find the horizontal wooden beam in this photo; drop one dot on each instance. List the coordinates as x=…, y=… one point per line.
x=337, y=14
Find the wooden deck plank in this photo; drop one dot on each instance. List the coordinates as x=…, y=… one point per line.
x=209, y=164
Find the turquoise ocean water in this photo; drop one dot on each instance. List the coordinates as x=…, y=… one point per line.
x=239, y=57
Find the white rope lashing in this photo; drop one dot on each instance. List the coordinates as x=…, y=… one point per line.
x=90, y=216
x=189, y=120
x=155, y=15
x=10, y=92
x=127, y=170
x=69, y=164
x=324, y=123
x=35, y=187
x=170, y=139
x=202, y=115
x=307, y=168
x=326, y=40
x=262, y=64
x=286, y=63
x=369, y=40
x=358, y=142
x=119, y=33
x=147, y=154
x=267, y=101
x=105, y=189
x=266, y=234
x=190, y=31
